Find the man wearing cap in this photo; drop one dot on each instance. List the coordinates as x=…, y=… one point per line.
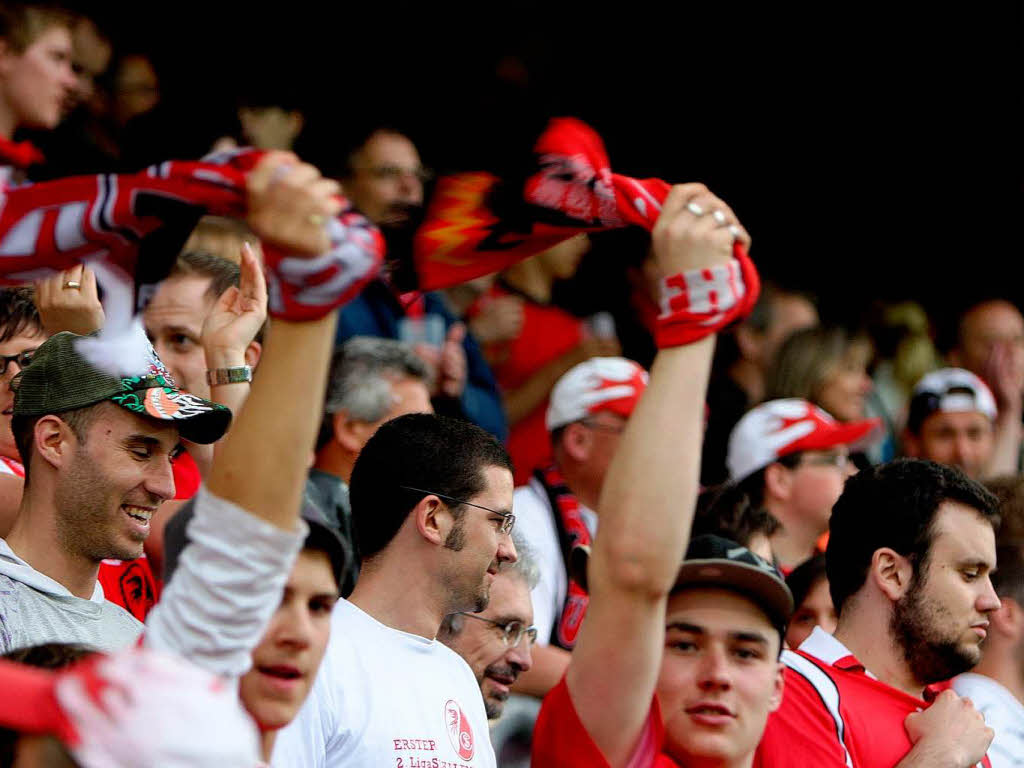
x=792, y=458
x=952, y=420
x=587, y=411
x=97, y=452
x=910, y=554
x=673, y=665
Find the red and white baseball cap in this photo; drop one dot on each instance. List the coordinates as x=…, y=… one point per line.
x=598, y=384
x=780, y=427
x=132, y=708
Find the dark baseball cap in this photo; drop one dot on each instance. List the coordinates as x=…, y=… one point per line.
x=59, y=379
x=714, y=561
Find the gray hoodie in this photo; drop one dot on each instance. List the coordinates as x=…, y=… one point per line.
x=35, y=609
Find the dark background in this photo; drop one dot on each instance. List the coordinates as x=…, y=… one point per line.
x=873, y=151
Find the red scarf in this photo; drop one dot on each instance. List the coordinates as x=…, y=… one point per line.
x=20, y=154
x=572, y=532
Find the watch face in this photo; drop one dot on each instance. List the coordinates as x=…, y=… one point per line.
x=239, y=375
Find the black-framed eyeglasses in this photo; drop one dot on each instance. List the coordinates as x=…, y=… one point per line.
x=512, y=631
x=22, y=359
x=507, y=518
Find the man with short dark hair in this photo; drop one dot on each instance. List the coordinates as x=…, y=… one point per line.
x=97, y=451
x=496, y=642
x=952, y=420
x=791, y=458
x=431, y=511
x=909, y=560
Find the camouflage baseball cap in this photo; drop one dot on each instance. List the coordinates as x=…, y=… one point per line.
x=59, y=379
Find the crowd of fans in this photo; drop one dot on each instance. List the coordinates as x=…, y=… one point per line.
x=463, y=527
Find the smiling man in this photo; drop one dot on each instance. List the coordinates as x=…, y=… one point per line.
x=97, y=452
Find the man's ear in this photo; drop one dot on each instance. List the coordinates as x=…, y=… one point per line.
x=351, y=434
x=53, y=440
x=433, y=520
x=891, y=572
x=253, y=353
x=778, y=482
x=1008, y=618
x=780, y=683
x=576, y=442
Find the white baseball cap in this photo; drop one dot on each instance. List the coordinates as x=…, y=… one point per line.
x=780, y=427
x=598, y=384
x=132, y=708
x=949, y=390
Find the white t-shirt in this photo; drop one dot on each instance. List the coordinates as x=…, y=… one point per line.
x=535, y=522
x=1002, y=713
x=387, y=699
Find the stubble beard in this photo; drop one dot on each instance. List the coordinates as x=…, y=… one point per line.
x=917, y=625
x=462, y=597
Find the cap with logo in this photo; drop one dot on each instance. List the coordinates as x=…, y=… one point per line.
x=599, y=384
x=59, y=379
x=774, y=429
x=714, y=561
x=949, y=390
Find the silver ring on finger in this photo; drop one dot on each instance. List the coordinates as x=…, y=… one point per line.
x=734, y=230
x=695, y=209
x=73, y=284
x=718, y=216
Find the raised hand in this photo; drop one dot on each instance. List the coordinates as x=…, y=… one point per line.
x=237, y=316
x=69, y=301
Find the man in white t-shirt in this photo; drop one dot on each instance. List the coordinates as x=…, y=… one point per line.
x=996, y=684
x=431, y=512
x=588, y=410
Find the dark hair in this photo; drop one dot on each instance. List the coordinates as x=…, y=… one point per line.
x=893, y=505
x=23, y=428
x=804, y=577
x=1008, y=578
x=753, y=484
x=18, y=312
x=727, y=511
x=321, y=539
x=436, y=453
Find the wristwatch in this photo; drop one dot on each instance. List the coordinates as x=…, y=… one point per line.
x=238, y=375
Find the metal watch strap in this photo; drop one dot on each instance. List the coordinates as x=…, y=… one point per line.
x=237, y=375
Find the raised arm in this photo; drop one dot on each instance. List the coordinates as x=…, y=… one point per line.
x=647, y=504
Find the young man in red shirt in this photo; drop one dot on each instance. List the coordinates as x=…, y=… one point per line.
x=909, y=557
x=710, y=653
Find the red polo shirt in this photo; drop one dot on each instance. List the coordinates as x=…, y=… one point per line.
x=834, y=713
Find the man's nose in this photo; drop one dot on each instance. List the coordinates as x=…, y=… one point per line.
x=521, y=655
x=714, y=669
x=507, y=549
x=160, y=481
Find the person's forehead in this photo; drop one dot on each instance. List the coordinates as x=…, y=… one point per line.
x=312, y=573
x=940, y=420
x=184, y=295
x=995, y=320
x=718, y=611
x=387, y=148
x=54, y=36
x=122, y=423
x=962, y=534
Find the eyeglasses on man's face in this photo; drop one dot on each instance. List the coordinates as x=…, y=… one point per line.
x=507, y=518
x=513, y=631
x=838, y=460
x=22, y=359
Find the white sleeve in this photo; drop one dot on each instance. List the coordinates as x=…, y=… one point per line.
x=228, y=583
x=535, y=523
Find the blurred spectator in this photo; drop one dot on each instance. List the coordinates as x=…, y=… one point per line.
x=547, y=343
x=952, y=420
x=384, y=177
x=95, y=474
x=587, y=413
x=909, y=560
x=21, y=332
x=726, y=511
x=431, y=511
x=36, y=78
x=827, y=366
x=791, y=459
x=996, y=685
x=136, y=88
x=809, y=584
x=269, y=125
x=220, y=236
x=777, y=315
x=497, y=641
x=371, y=381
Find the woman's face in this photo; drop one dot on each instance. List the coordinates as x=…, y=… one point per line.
x=844, y=391
x=285, y=662
x=35, y=84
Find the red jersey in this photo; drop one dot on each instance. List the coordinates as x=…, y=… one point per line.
x=130, y=584
x=561, y=741
x=548, y=332
x=835, y=713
